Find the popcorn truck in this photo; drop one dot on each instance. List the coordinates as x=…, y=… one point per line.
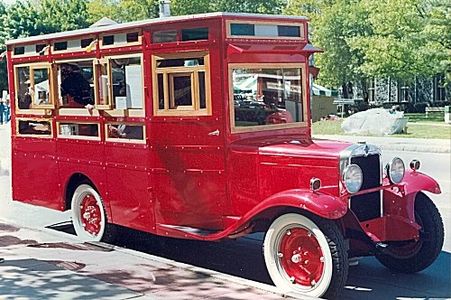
x=198, y=127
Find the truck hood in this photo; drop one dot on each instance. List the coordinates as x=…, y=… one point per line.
x=291, y=146
x=305, y=148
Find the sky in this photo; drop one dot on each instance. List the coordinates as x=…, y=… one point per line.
x=8, y=1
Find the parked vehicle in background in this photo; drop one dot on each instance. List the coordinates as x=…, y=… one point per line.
x=200, y=129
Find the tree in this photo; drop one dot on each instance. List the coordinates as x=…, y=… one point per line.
x=183, y=7
x=122, y=10
x=27, y=18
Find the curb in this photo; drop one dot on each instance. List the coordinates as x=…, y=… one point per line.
x=192, y=268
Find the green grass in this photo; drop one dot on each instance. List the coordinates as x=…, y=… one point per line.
x=434, y=130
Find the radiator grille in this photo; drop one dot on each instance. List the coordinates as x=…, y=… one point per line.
x=367, y=206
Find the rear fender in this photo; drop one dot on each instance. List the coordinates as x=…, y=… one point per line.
x=414, y=182
x=323, y=205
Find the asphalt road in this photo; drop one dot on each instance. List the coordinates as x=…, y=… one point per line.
x=243, y=257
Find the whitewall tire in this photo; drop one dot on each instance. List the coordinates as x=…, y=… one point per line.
x=88, y=215
x=306, y=256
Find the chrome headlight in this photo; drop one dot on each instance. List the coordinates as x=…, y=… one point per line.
x=353, y=178
x=395, y=170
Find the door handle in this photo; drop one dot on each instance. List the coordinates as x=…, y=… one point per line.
x=214, y=133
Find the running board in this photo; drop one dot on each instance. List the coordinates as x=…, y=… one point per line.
x=201, y=234
x=189, y=230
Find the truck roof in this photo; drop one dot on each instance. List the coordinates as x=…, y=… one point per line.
x=143, y=23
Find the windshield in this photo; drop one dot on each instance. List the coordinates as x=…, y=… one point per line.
x=267, y=96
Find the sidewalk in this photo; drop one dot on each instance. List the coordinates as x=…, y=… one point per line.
x=43, y=264
x=395, y=143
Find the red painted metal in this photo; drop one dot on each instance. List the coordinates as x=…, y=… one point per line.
x=91, y=217
x=301, y=256
x=183, y=177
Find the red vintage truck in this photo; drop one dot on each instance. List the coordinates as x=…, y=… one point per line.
x=198, y=127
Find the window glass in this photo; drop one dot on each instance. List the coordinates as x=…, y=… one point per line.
x=60, y=46
x=127, y=83
x=267, y=96
x=242, y=29
x=19, y=50
x=31, y=127
x=76, y=84
x=180, y=62
x=41, y=86
x=78, y=129
x=160, y=91
x=103, y=90
x=202, y=92
x=132, y=37
x=180, y=90
x=86, y=42
x=33, y=87
x=289, y=31
x=23, y=88
x=164, y=36
x=108, y=40
x=195, y=34
x=39, y=47
x=125, y=131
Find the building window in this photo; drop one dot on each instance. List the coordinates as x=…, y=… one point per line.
x=267, y=96
x=182, y=84
x=439, y=88
x=19, y=50
x=33, y=87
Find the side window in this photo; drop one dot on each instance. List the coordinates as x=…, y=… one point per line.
x=75, y=84
x=35, y=128
x=267, y=95
x=124, y=132
x=126, y=79
x=182, y=84
x=33, y=87
x=79, y=130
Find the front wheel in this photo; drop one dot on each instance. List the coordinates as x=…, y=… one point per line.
x=306, y=256
x=89, y=216
x=415, y=256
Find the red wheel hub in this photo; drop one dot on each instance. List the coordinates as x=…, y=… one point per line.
x=301, y=257
x=91, y=217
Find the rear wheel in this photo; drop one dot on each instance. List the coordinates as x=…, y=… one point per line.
x=306, y=256
x=89, y=216
x=415, y=256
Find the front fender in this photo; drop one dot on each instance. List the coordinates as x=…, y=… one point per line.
x=323, y=205
x=414, y=182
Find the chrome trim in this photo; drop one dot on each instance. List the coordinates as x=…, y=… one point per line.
x=356, y=150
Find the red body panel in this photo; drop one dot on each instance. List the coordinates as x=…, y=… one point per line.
x=184, y=176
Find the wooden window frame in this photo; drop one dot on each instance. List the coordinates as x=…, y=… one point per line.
x=73, y=111
x=130, y=112
x=170, y=72
x=125, y=140
x=256, y=128
x=36, y=109
x=49, y=136
x=275, y=23
x=125, y=44
x=78, y=137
